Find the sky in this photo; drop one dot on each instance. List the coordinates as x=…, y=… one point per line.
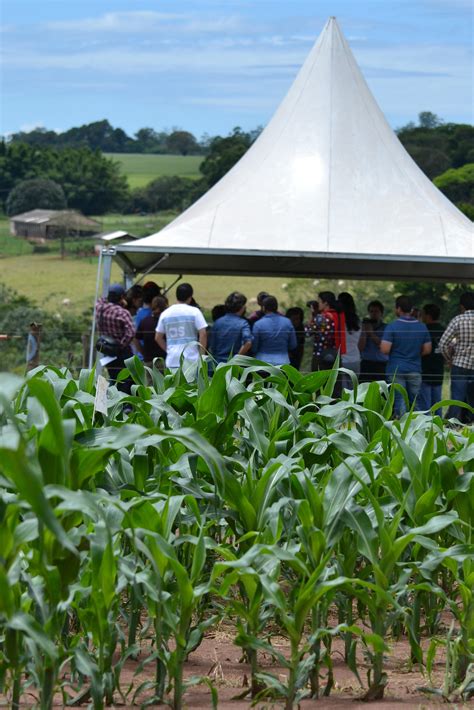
x=209, y=65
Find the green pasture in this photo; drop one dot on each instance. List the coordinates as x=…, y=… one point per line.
x=141, y=169
x=47, y=279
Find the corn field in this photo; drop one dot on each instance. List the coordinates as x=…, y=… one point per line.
x=252, y=497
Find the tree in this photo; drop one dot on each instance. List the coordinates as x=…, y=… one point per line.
x=33, y=194
x=427, y=119
x=182, y=142
x=223, y=154
x=165, y=193
x=458, y=186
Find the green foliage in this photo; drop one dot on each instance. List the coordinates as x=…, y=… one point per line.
x=437, y=146
x=37, y=193
x=166, y=193
x=223, y=154
x=61, y=334
x=182, y=143
x=91, y=182
x=458, y=184
x=252, y=496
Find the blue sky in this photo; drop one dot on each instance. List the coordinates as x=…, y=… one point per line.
x=209, y=65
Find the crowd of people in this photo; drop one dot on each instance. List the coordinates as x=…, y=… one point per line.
x=412, y=350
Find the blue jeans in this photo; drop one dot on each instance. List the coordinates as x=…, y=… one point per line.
x=411, y=381
x=429, y=394
x=462, y=388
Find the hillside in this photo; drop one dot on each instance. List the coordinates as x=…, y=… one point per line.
x=140, y=169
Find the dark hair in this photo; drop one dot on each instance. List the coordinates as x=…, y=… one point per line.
x=218, y=311
x=115, y=297
x=270, y=304
x=159, y=302
x=404, y=304
x=183, y=292
x=467, y=300
x=150, y=290
x=329, y=298
x=295, y=311
x=135, y=291
x=235, y=301
x=431, y=309
x=376, y=304
x=349, y=307
x=261, y=297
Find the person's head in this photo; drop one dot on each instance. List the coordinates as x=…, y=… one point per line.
x=116, y=293
x=261, y=297
x=235, y=303
x=430, y=313
x=158, y=305
x=135, y=297
x=184, y=293
x=375, y=310
x=348, y=306
x=296, y=315
x=326, y=300
x=270, y=304
x=150, y=290
x=314, y=306
x=218, y=311
x=466, y=301
x=403, y=305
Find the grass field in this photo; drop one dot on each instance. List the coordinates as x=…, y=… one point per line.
x=141, y=169
x=47, y=279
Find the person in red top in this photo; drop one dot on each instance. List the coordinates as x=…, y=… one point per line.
x=116, y=324
x=328, y=328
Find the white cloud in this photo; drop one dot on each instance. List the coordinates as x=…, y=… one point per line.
x=27, y=127
x=145, y=21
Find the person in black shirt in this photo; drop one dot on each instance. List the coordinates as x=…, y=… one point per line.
x=296, y=315
x=432, y=365
x=146, y=333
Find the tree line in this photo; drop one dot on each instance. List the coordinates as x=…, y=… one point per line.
x=103, y=136
x=92, y=182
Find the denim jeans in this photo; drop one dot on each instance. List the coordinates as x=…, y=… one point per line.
x=429, y=394
x=411, y=381
x=462, y=388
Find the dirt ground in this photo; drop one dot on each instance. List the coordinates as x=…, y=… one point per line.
x=218, y=659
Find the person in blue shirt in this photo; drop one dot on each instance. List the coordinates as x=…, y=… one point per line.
x=405, y=341
x=273, y=335
x=230, y=334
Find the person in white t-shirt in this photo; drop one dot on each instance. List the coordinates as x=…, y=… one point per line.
x=181, y=329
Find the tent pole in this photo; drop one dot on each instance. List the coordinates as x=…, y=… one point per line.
x=105, y=261
x=153, y=266
x=94, y=317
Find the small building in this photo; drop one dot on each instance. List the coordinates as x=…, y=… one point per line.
x=51, y=224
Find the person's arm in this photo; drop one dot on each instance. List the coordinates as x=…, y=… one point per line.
x=160, y=340
x=385, y=347
x=426, y=348
x=363, y=336
x=246, y=339
x=128, y=329
x=445, y=341
x=292, y=340
x=202, y=337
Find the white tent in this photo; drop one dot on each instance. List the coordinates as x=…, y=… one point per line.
x=327, y=189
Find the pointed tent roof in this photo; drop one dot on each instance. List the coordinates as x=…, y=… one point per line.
x=326, y=189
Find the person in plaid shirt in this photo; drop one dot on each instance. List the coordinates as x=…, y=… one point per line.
x=457, y=346
x=115, y=322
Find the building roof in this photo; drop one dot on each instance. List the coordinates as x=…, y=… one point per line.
x=55, y=217
x=327, y=189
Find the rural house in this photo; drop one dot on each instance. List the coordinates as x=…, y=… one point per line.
x=48, y=224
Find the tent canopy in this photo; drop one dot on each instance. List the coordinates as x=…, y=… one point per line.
x=326, y=190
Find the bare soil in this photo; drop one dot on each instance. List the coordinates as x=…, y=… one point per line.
x=219, y=660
